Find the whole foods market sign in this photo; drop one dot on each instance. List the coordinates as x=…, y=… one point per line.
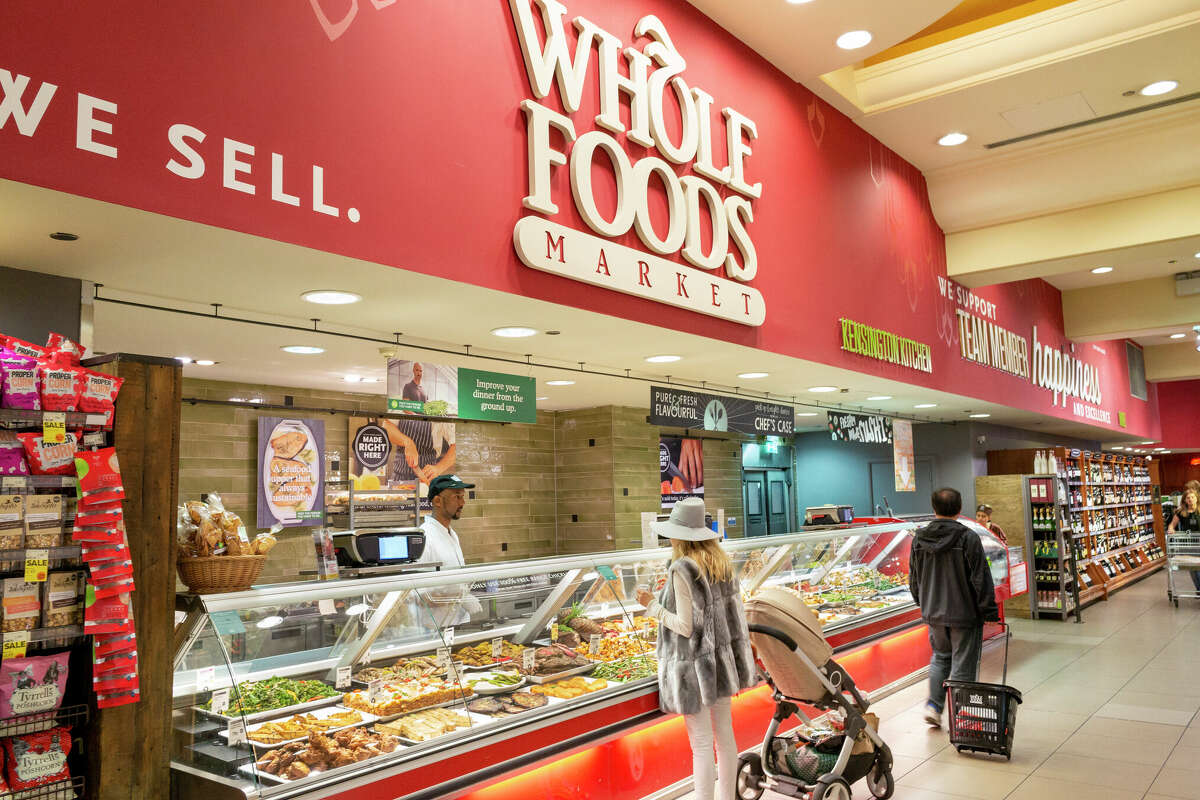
x=650, y=79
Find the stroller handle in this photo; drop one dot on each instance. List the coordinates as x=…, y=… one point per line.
x=775, y=633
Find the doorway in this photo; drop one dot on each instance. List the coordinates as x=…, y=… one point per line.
x=767, y=498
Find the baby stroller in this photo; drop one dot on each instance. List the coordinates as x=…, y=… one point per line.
x=798, y=665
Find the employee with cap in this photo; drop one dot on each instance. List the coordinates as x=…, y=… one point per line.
x=452, y=604
x=983, y=515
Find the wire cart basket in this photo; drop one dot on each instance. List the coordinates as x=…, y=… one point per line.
x=1183, y=559
x=982, y=717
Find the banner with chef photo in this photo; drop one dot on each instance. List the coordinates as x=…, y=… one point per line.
x=291, y=456
x=397, y=453
x=422, y=387
x=681, y=469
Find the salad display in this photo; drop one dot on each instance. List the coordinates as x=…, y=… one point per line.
x=255, y=696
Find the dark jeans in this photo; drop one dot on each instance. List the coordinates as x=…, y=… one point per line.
x=1196, y=578
x=956, y=654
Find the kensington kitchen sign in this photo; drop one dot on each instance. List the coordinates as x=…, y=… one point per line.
x=695, y=209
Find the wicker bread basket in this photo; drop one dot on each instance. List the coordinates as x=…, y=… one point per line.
x=216, y=574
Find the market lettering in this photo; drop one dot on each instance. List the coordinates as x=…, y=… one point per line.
x=986, y=343
x=883, y=345
x=655, y=90
x=1064, y=375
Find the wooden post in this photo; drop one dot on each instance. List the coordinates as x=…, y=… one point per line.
x=129, y=747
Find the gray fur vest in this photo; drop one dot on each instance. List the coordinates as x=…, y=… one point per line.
x=715, y=661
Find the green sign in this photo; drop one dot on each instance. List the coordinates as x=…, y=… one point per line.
x=227, y=623
x=310, y=515
x=396, y=404
x=1121, y=418
x=606, y=572
x=496, y=397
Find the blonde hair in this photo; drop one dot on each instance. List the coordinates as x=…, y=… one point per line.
x=713, y=562
x=1183, y=503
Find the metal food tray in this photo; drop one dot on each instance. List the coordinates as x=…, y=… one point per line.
x=476, y=667
x=412, y=742
x=262, y=716
x=464, y=700
x=456, y=669
x=539, y=679
x=496, y=690
x=367, y=719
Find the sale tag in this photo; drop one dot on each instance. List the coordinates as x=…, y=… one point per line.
x=528, y=659
x=375, y=691
x=54, y=427
x=205, y=677
x=497, y=647
x=326, y=607
x=12, y=482
x=443, y=657
x=343, y=678
x=448, y=635
x=594, y=644
x=15, y=644
x=37, y=564
x=220, y=700
x=237, y=731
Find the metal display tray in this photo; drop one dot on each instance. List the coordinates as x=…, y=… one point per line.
x=560, y=675
x=367, y=719
x=262, y=716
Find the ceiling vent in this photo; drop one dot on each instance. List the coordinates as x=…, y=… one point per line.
x=1187, y=283
x=1093, y=121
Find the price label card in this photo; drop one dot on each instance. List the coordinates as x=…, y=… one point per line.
x=448, y=635
x=54, y=427
x=343, y=678
x=37, y=564
x=375, y=690
x=205, y=676
x=220, y=701
x=553, y=631
x=497, y=647
x=15, y=644
x=594, y=644
x=528, y=659
x=443, y=657
x=95, y=439
x=237, y=731
x=13, y=482
x=326, y=607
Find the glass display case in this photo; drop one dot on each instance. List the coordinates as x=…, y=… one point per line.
x=311, y=689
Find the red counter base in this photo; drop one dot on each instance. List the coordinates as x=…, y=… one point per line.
x=643, y=761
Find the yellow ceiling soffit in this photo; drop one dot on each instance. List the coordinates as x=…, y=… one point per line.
x=1172, y=362
x=967, y=18
x=1132, y=309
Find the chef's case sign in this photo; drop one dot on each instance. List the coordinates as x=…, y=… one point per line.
x=708, y=203
x=680, y=408
x=291, y=455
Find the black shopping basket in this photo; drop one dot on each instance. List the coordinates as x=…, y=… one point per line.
x=982, y=716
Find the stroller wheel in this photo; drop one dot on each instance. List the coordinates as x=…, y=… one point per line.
x=881, y=783
x=831, y=787
x=750, y=777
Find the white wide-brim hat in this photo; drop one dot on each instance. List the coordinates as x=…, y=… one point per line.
x=686, y=523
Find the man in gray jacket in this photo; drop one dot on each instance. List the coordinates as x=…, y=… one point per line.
x=951, y=582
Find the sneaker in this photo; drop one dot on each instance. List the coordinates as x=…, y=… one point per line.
x=932, y=716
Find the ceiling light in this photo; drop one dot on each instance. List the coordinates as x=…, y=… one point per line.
x=356, y=609
x=514, y=332
x=806, y=414
x=188, y=360
x=980, y=416
x=1178, y=335
x=204, y=362
x=543, y=398
x=560, y=383
x=369, y=380
x=353, y=379
x=1147, y=442
x=1159, y=87
x=237, y=399
x=880, y=397
x=952, y=139
x=1197, y=255
x=798, y=2
x=300, y=349
x=1101, y=270
x=752, y=375
x=822, y=389
x=269, y=622
x=331, y=297
x=925, y=405
x=853, y=40
x=1118, y=447
x=63, y=236
x=661, y=359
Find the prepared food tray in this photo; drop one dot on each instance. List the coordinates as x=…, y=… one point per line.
x=508, y=705
x=298, y=727
x=321, y=753
x=407, y=669
x=396, y=698
x=555, y=661
x=624, y=670
x=570, y=688
x=422, y=726
x=273, y=697
x=557, y=676
x=479, y=656
x=611, y=648
x=495, y=682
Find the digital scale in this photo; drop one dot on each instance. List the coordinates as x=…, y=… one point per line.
x=828, y=515
x=378, y=547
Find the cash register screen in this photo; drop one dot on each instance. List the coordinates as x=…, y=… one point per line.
x=393, y=547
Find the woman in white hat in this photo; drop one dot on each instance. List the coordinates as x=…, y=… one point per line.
x=704, y=655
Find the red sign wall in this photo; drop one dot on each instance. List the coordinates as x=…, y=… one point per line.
x=394, y=133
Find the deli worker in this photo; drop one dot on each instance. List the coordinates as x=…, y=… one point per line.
x=452, y=604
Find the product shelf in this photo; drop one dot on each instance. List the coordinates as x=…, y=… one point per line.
x=1123, y=549
x=23, y=483
x=56, y=553
x=23, y=418
x=1111, y=506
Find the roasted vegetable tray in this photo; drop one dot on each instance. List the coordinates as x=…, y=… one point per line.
x=320, y=713
x=275, y=713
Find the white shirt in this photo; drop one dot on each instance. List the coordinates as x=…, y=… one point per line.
x=453, y=603
x=441, y=545
x=680, y=621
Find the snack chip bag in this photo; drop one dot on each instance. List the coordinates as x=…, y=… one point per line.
x=37, y=759
x=19, y=382
x=109, y=644
x=12, y=458
x=106, y=614
x=99, y=392
x=49, y=459
x=32, y=684
x=63, y=350
x=22, y=347
x=99, y=478
x=60, y=386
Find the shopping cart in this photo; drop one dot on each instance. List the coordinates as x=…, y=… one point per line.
x=982, y=717
x=1183, y=557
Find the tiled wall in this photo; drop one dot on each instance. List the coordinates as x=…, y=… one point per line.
x=575, y=482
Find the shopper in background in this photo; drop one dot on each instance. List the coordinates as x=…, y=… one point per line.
x=951, y=582
x=983, y=515
x=452, y=604
x=1186, y=519
x=704, y=655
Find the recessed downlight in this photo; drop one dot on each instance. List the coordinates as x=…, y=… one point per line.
x=188, y=359
x=880, y=397
x=300, y=350
x=1118, y=447
x=1159, y=87
x=353, y=379
x=1178, y=335
x=331, y=297
x=369, y=380
x=807, y=414
x=750, y=376
x=514, y=332
x=560, y=383
x=952, y=139
x=852, y=40
x=1101, y=270
x=925, y=405
x=661, y=359
x=204, y=362
x=798, y=2
x=980, y=416
x=543, y=398
x=822, y=389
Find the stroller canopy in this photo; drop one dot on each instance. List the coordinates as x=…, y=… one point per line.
x=786, y=612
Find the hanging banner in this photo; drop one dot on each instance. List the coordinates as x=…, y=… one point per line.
x=845, y=426
x=902, y=456
x=681, y=408
x=399, y=453
x=681, y=469
x=291, y=461
x=437, y=390
x=422, y=387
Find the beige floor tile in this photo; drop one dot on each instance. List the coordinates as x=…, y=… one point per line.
x=1029, y=751
x=1078, y=701
x=902, y=765
x=1130, y=730
x=968, y=781
x=1087, y=769
x=1138, y=751
x=1141, y=713
x=1038, y=788
x=916, y=744
x=1185, y=757
x=1038, y=719
x=1179, y=783
x=1174, y=698
x=1190, y=738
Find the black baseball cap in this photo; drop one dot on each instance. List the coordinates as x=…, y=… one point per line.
x=443, y=482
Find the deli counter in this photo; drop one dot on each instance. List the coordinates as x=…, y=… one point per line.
x=435, y=684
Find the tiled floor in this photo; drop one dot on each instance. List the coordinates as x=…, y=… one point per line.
x=1110, y=711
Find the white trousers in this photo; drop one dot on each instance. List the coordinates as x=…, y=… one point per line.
x=713, y=725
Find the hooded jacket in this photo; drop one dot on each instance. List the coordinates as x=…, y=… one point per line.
x=949, y=576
